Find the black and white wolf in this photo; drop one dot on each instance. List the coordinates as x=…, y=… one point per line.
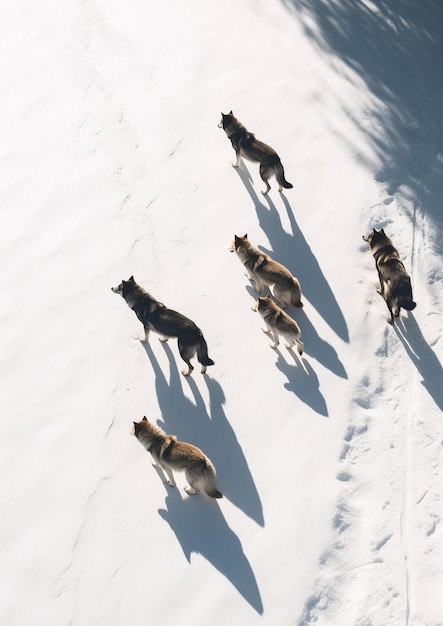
x=247, y=146
x=155, y=316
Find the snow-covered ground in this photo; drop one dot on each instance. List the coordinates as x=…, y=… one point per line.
x=112, y=165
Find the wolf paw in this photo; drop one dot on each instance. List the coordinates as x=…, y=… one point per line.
x=191, y=490
x=171, y=484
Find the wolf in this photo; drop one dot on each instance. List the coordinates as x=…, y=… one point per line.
x=264, y=271
x=170, y=454
x=155, y=316
x=247, y=146
x=279, y=323
x=395, y=284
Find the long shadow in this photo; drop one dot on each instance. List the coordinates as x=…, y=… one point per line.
x=200, y=528
x=395, y=47
x=210, y=432
x=293, y=251
x=303, y=381
x=423, y=357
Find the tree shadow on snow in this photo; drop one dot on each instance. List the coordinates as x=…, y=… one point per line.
x=396, y=48
x=200, y=528
x=211, y=431
x=293, y=251
x=422, y=355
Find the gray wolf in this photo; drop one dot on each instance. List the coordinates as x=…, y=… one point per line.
x=395, y=284
x=264, y=271
x=155, y=316
x=170, y=454
x=247, y=146
x=279, y=323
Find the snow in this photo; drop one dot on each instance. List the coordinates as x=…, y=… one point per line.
x=113, y=165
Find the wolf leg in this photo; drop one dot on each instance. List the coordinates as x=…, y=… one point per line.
x=276, y=343
x=259, y=286
x=147, y=331
x=171, y=482
x=265, y=173
x=237, y=159
x=189, y=371
x=193, y=480
x=186, y=352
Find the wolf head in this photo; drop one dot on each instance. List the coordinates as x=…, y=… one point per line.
x=264, y=302
x=138, y=426
x=375, y=236
x=125, y=287
x=144, y=428
x=238, y=242
x=226, y=120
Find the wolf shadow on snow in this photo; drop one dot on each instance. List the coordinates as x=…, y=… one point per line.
x=211, y=431
x=198, y=522
x=422, y=355
x=200, y=528
x=294, y=252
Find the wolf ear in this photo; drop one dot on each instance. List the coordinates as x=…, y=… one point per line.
x=131, y=279
x=230, y=112
x=145, y=419
x=245, y=236
x=382, y=230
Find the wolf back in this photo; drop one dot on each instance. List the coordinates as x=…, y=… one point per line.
x=172, y=455
x=264, y=271
x=247, y=146
x=395, y=283
x=155, y=316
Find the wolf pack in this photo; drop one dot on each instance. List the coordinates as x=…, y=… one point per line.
x=284, y=290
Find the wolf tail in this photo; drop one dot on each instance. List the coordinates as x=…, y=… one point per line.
x=202, y=352
x=280, y=176
x=409, y=305
x=211, y=482
x=296, y=294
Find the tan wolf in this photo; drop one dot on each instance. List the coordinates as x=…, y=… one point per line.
x=279, y=323
x=264, y=271
x=170, y=454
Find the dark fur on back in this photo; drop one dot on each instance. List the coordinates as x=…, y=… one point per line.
x=395, y=283
x=155, y=316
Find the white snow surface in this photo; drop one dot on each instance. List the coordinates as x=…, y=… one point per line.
x=113, y=164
